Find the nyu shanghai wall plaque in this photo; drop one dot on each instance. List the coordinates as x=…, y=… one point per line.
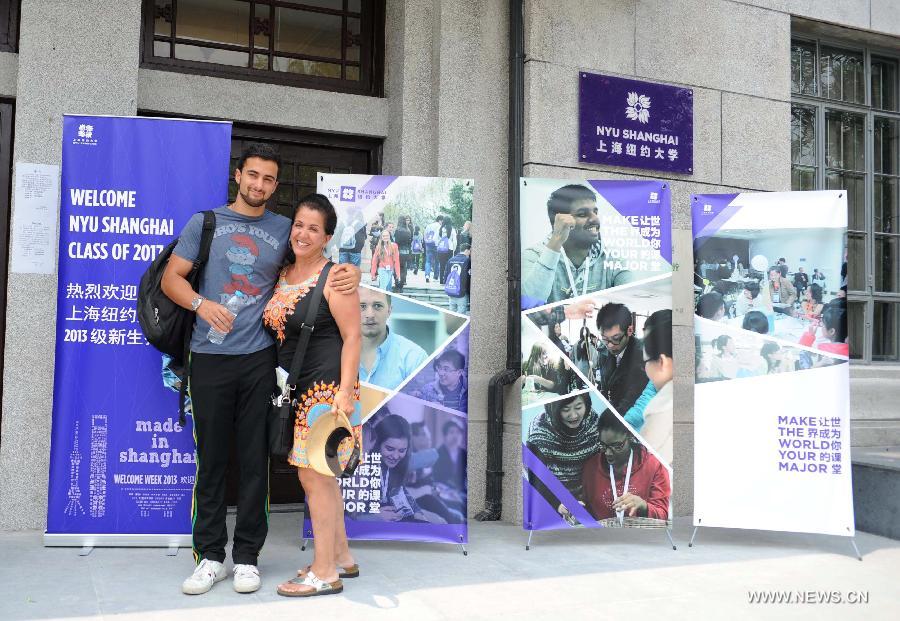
x=635, y=124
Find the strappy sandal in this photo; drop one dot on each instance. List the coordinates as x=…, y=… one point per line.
x=351, y=571
x=319, y=587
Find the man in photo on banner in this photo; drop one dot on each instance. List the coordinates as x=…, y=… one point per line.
x=232, y=369
x=619, y=364
x=449, y=387
x=387, y=358
x=572, y=261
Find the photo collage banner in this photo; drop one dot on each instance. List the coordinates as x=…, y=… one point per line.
x=119, y=461
x=772, y=398
x=412, y=239
x=597, y=386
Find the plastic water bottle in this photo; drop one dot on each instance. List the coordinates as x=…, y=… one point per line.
x=233, y=305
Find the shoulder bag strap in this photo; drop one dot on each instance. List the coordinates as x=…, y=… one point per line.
x=307, y=326
x=209, y=226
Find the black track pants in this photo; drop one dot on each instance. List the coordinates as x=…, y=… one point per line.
x=230, y=397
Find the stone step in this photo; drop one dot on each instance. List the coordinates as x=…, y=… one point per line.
x=876, y=490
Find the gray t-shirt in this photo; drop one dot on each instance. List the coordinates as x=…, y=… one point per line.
x=246, y=255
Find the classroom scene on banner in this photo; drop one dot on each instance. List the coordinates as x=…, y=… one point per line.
x=772, y=282
x=771, y=324
x=412, y=239
x=120, y=460
x=597, y=385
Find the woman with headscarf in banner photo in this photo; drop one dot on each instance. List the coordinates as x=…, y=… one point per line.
x=328, y=376
x=563, y=437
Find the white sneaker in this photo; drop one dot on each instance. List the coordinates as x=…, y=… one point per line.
x=205, y=575
x=246, y=578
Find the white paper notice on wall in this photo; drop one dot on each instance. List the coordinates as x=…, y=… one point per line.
x=36, y=205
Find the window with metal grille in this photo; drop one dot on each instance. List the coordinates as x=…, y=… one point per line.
x=332, y=45
x=9, y=25
x=845, y=134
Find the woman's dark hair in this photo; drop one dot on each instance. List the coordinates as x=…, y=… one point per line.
x=581, y=349
x=320, y=203
x=709, y=304
x=401, y=222
x=553, y=409
x=262, y=151
x=448, y=425
x=720, y=342
x=816, y=292
x=394, y=426
x=561, y=200
x=446, y=227
x=834, y=317
x=768, y=348
x=610, y=421
x=753, y=287
x=658, y=334
x=416, y=429
x=417, y=230
x=755, y=321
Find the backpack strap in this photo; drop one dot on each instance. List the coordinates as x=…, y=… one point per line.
x=206, y=238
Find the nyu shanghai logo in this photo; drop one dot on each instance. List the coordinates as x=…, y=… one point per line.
x=654, y=198
x=707, y=209
x=85, y=135
x=637, y=109
x=348, y=194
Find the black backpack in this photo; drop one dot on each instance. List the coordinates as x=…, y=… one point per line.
x=167, y=326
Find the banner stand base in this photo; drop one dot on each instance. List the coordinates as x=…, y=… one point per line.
x=303, y=545
x=852, y=543
x=88, y=541
x=668, y=534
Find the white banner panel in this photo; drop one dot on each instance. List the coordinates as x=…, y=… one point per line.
x=771, y=398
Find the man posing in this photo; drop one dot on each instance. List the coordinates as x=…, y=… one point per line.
x=386, y=358
x=572, y=261
x=231, y=382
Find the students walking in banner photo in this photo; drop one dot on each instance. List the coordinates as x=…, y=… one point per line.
x=431, y=236
x=456, y=283
x=386, y=262
x=328, y=376
x=403, y=239
x=417, y=247
x=232, y=370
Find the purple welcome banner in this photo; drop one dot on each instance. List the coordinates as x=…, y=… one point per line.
x=635, y=124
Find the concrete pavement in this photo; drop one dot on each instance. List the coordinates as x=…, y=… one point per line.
x=567, y=575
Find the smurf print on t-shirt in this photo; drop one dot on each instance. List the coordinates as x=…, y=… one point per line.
x=242, y=254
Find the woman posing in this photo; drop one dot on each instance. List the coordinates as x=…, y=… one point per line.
x=329, y=375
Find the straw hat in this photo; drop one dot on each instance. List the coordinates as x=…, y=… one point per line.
x=326, y=432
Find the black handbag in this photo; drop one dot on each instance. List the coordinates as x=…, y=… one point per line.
x=283, y=409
